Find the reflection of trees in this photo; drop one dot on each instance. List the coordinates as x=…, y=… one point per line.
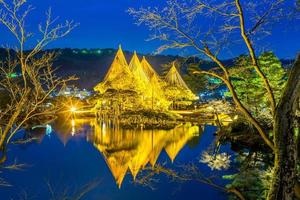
x=194, y=142
x=59, y=192
x=67, y=127
x=178, y=26
x=128, y=150
x=186, y=173
x=37, y=134
x=11, y=167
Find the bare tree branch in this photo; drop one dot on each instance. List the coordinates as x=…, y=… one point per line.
x=28, y=96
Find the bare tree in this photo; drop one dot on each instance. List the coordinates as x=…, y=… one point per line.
x=231, y=22
x=29, y=93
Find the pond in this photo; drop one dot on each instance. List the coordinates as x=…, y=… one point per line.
x=69, y=156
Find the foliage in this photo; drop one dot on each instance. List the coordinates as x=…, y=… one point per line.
x=186, y=66
x=118, y=100
x=135, y=85
x=177, y=25
x=175, y=88
x=236, y=22
x=249, y=86
x=148, y=119
x=253, y=178
x=174, y=93
x=197, y=83
x=4, y=99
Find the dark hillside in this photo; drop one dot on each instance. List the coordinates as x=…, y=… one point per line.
x=91, y=65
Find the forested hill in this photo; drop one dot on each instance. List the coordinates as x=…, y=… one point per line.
x=91, y=65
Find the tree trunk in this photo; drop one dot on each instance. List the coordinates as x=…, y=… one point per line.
x=286, y=133
x=12, y=120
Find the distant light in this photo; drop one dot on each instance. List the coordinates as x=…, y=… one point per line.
x=73, y=127
x=73, y=109
x=12, y=75
x=103, y=128
x=48, y=130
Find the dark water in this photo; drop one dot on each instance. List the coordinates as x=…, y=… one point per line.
x=76, y=153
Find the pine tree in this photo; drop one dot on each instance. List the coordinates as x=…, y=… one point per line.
x=249, y=86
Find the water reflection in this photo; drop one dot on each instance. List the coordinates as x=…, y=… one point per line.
x=128, y=150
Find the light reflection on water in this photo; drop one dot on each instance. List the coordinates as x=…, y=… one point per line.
x=73, y=150
x=130, y=150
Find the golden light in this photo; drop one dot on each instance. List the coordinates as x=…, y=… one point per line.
x=73, y=109
x=140, y=77
x=126, y=152
x=73, y=127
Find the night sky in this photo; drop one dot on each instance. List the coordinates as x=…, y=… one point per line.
x=105, y=24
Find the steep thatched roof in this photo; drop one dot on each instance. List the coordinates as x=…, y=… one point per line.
x=174, y=78
x=141, y=78
x=118, y=76
x=177, y=87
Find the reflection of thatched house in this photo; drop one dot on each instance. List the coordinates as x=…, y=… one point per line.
x=175, y=145
x=141, y=79
x=126, y=151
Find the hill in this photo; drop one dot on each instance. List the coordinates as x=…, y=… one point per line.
x=91, y=65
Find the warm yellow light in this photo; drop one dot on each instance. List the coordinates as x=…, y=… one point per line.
x=73, y=127
x=73, y=109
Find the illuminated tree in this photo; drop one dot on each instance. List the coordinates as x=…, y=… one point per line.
x=249, y=86
x=242, y=23
x=186, y=67
x=176, y=90
x=274, y=71
x=197, y=83
x=138, y=78
x=28, y=93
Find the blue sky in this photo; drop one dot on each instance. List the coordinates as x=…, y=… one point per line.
x=105, y=24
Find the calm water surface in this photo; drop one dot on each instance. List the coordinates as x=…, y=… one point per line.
x=74, y=153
